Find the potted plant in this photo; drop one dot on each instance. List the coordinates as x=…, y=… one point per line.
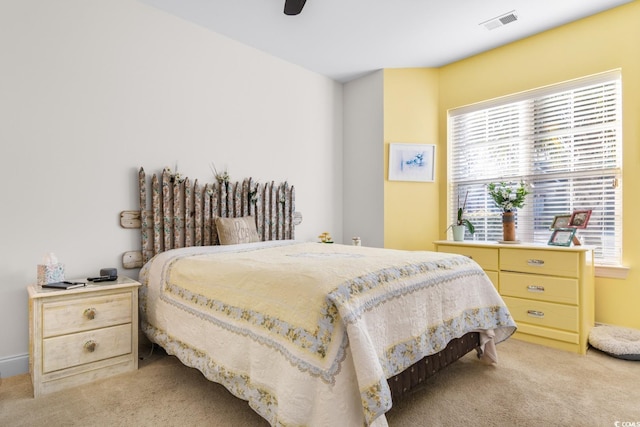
x=508, y=199
x=461, y=223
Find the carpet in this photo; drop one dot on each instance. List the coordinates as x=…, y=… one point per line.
x=531, y=386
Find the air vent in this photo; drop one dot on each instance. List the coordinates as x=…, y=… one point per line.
x=500, y=21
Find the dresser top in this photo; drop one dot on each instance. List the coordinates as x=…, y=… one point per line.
x=515, y=245
x=36, y=291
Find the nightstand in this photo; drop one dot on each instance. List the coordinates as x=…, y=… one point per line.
x=81, y=335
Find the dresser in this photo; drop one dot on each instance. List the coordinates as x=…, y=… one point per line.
x=549, y=290
x=80, y=335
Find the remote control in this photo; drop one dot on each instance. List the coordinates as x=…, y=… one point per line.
x=102, y=278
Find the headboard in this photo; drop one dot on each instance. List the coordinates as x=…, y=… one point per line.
x=181, y=212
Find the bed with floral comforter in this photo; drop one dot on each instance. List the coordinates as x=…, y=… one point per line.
x=308, y=333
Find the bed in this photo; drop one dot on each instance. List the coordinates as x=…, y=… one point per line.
x=308, y=333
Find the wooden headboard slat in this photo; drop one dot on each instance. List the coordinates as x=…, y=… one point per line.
x=207, y=232
x=144, y=223
x=167, y=218
x=176, y=212
x=197, y=209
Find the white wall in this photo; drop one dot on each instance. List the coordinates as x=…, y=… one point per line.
x=91, y=91
x=364, y=159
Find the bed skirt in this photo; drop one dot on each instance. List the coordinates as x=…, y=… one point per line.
x=418, y=373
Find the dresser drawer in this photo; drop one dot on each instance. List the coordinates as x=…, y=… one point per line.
x=495, y=279
x=542, y=313
x=82, y=314
x=536, y=261
x=541, y=288
x=85, y=347
x=487, y=258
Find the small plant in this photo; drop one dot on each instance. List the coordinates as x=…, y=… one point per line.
x=507, y=198
x=461, y=220
x=222, y=177
x=174, y=177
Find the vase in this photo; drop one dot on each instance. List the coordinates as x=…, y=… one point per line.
x=458, y=232
x=508, y=226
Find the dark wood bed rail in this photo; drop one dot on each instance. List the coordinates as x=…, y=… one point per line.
x=417, y=374
x=181, y=212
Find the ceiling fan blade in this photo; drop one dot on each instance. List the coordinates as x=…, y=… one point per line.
x=293, y=7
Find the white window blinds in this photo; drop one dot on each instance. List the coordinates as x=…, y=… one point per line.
x=564, y=141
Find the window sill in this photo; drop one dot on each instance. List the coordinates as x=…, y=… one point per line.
x=612, y=272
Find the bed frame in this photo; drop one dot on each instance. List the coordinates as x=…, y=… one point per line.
x=181, y=215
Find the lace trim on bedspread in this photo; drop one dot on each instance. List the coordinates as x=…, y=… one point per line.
x=260, y=399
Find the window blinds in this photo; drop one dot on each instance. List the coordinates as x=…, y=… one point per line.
x=564, y=141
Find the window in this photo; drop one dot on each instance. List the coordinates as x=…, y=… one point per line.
x=564, y=141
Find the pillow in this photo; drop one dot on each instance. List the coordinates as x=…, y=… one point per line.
x=232, y=231
x=616, y=341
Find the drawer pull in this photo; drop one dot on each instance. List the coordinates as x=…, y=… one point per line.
x=535, y=262
x=535, y=288
x=536, y=313
x=90, y=346
x=90, y=313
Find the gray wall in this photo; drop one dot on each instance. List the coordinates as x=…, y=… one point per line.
x=364, y=159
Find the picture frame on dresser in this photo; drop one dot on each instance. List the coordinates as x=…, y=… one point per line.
x=562, y=237
x=560, y=221
x=580, y=218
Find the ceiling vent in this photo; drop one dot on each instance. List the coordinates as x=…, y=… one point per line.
x=500, y=21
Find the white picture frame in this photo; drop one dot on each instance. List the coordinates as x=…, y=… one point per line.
x=412, y=162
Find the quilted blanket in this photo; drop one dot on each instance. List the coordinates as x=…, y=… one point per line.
x=308, y=333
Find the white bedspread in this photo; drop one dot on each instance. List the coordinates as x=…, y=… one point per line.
x=307, y=333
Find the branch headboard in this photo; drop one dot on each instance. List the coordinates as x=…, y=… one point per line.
x=181, y=212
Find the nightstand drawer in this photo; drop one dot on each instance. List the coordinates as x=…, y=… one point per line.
x=541, y=288
x=76, y=349
x=549, y=262
x=542, y=313
x=487, y=258
x=82, y=314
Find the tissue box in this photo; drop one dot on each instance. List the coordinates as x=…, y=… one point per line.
x=50, y=273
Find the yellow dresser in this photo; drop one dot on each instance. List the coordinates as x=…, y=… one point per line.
x=549, y=289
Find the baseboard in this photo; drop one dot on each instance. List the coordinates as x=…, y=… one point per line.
x=14, y=365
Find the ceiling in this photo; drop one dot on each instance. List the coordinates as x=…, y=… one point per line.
x=344, y=39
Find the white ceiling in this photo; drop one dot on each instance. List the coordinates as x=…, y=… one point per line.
x=344, y=39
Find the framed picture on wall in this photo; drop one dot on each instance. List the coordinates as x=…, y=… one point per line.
x=412, y=162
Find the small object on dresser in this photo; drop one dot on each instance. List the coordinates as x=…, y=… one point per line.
x=102, y=279
x=50, y=271
x=106, y=275
x=64, y=285
x=325, y=237
x=356, y=241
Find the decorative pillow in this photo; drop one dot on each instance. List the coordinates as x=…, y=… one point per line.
x=232, y=231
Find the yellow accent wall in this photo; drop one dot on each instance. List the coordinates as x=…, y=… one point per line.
x=416, y=213
x=410, y=116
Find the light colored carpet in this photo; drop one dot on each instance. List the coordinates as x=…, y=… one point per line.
x=531, y=386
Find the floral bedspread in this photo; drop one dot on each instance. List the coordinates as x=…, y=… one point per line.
x=307, y=333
